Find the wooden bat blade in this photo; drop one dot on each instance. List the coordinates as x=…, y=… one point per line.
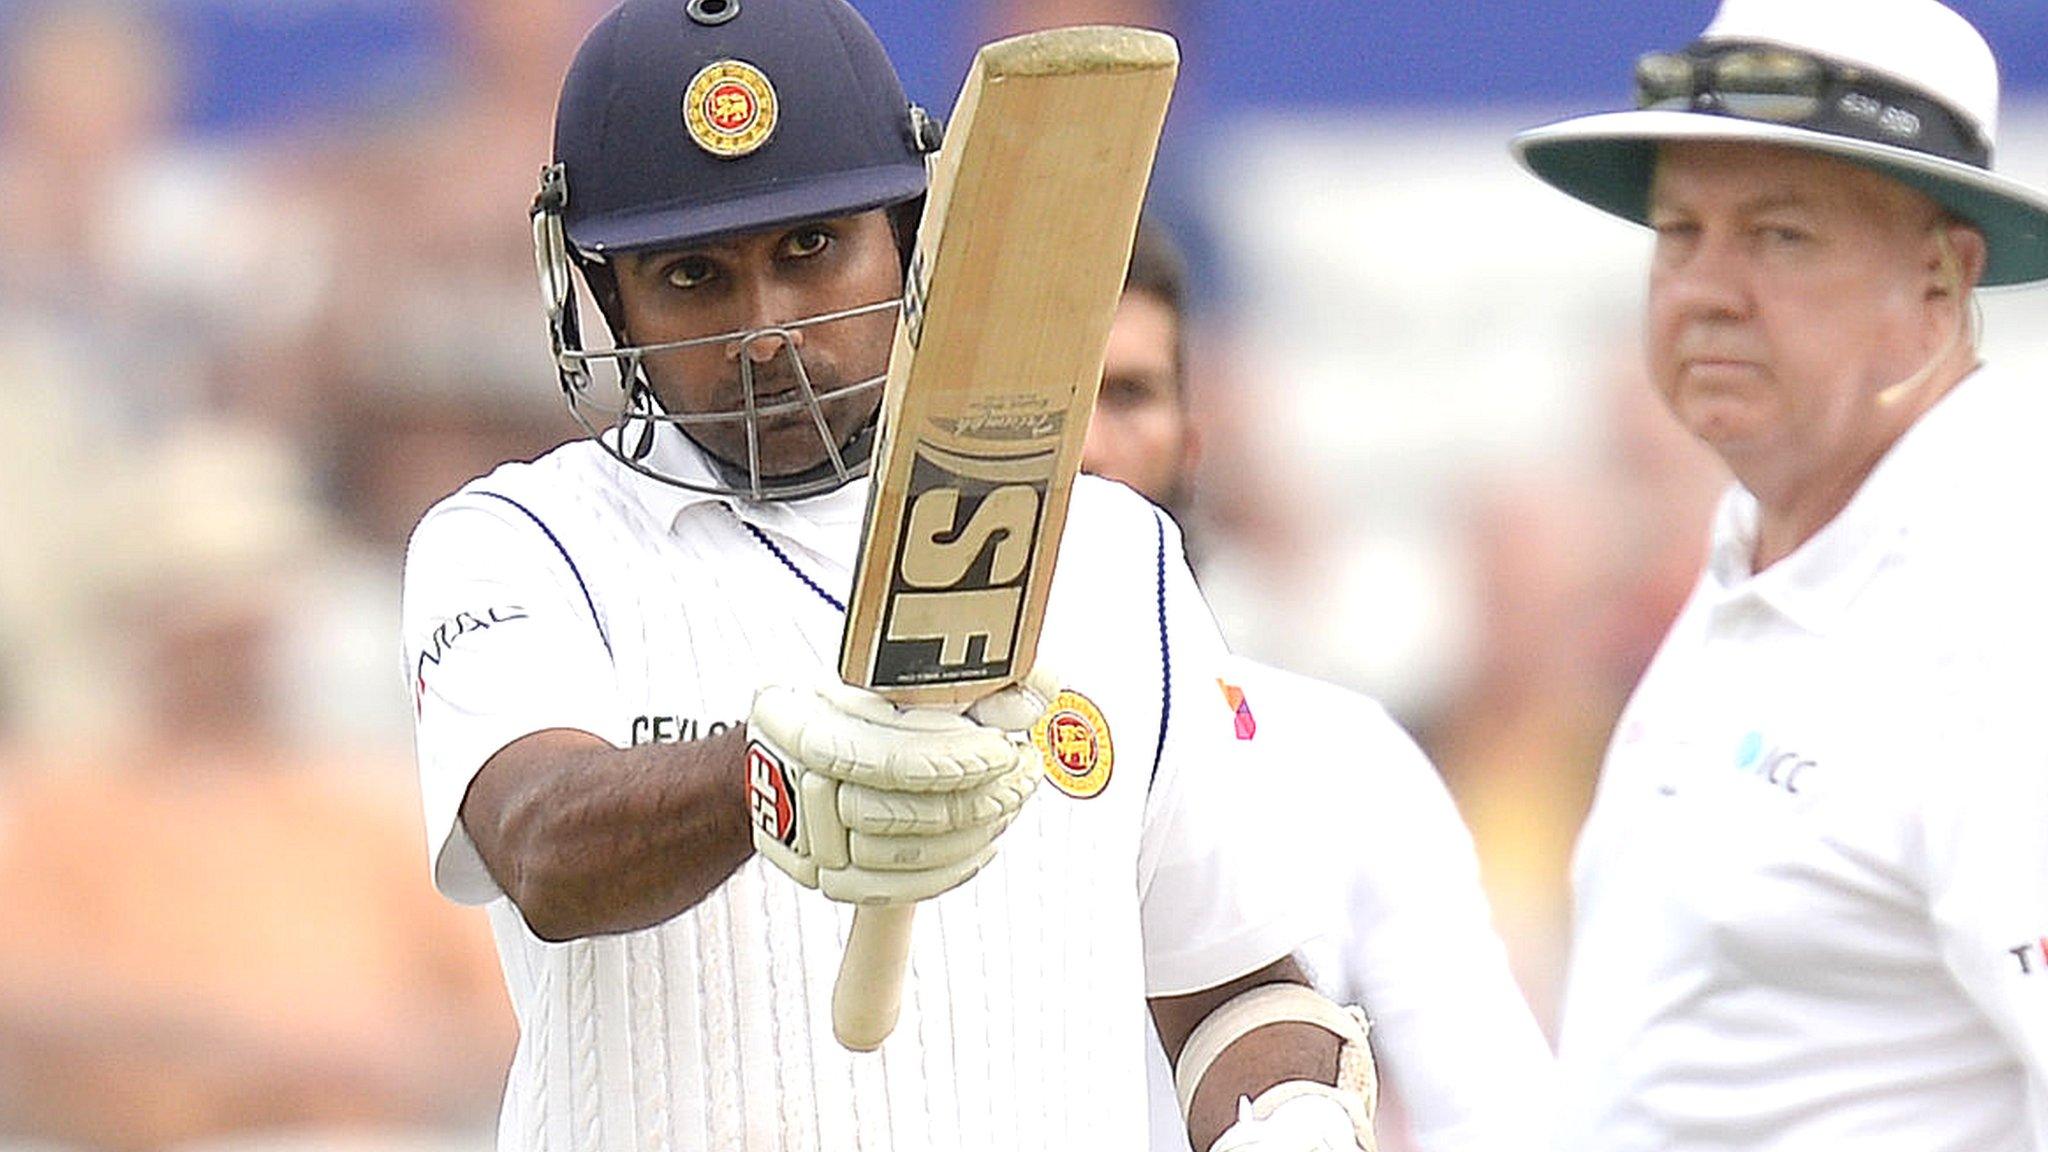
x=1019, y=266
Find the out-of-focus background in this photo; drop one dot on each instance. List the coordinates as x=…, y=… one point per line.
x=266, y=293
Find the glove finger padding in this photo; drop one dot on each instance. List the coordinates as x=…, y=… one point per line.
x=861, y=886
x=839, y=731
x=1017, y=707
x=880, y=813
x=878, y=807
x=918, y=853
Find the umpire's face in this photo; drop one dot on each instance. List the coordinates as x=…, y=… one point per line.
x=766, y=280
x=1789, y=293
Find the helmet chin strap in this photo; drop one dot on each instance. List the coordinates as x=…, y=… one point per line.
x=1970, y=322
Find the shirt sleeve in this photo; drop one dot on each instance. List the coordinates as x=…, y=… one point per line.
x=1218, y=884
x=1986, y=878
x=1409, y=935
x=502, y=640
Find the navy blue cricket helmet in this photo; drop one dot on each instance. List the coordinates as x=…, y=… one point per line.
x=685, y=120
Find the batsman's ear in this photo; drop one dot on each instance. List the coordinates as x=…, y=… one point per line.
x=604, y=289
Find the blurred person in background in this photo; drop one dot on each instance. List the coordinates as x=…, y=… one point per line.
x=425, y=343
x=93, y=372
x=141, y=271
x=435, y=289
x=1575, y=568
x=168, y=258
x=1518, y=736
x=1813, y=887
x=92, y=93
x=202, y=937
x=1406, y=932
x=209, y=934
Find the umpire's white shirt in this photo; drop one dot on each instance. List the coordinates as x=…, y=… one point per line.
x=1403, y=927
x=571, y=593
x=1813, y=889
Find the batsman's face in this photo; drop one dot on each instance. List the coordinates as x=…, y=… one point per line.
x=767, y=280
x=1141, y=433
x=1787, y=291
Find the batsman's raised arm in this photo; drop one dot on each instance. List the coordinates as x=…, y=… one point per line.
x=586, y=836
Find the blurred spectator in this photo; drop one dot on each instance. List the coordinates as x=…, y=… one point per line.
x=140, y=273
x=1578, y=568
x=207, y=934
x=431, y=358
x=437, y=291
x=164, y=257
x=1519, y=741
x=202, y=942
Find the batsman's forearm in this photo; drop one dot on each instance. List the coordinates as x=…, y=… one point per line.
x=588, y=839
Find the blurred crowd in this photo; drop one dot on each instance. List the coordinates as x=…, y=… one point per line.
x=236, y=371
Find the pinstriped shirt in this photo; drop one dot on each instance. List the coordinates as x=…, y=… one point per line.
x=571, y=593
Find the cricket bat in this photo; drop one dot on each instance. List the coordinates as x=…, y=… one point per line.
x=1019, y=265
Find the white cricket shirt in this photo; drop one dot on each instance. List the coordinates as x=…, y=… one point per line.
x=1813, y=888
x=571, y=593
x=1404, y=930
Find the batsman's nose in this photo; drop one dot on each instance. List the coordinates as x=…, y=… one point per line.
x=762, y=345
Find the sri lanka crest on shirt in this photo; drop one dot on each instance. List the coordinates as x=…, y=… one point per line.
x=1074, y=739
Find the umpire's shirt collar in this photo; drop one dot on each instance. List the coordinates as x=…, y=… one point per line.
x=1819, y=582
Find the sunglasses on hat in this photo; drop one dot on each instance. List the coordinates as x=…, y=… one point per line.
x=1784, y=86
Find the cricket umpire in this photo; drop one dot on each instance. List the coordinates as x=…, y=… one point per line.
x=592, y=638
x=1813, y=887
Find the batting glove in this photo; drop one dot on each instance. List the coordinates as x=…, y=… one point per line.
x=874, y=804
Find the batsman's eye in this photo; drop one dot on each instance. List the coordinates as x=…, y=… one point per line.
x=690, y=272
x=807, y=242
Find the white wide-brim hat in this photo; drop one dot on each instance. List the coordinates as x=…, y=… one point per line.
x=1905, y=70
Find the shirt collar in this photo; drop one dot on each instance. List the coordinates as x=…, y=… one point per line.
x=673, y=455
x=1816, y=585
x=826, y=524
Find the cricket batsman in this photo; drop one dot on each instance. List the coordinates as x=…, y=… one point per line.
x=594, y=637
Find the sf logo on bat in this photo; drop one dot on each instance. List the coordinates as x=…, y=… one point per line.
x=964, y=561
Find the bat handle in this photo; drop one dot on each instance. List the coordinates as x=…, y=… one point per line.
x=869, y=993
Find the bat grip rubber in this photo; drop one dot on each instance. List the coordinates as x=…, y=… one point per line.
x=869, y=994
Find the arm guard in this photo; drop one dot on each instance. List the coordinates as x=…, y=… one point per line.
x=1357, y=1087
